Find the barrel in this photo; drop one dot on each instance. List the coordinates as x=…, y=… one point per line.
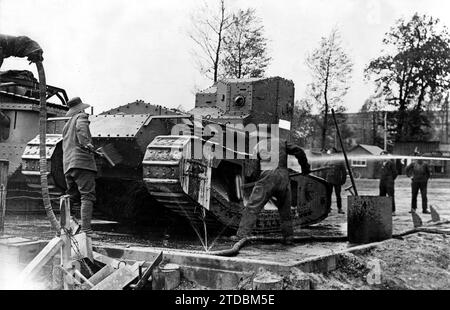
x=369, y=219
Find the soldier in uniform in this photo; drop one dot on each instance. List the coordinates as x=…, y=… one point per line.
x=21, y=46
x=79, y=163
x=388, y=174
x=336, y=175
x=273, y=182
x=419, y=172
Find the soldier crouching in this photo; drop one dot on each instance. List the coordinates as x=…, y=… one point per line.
x=273, y=182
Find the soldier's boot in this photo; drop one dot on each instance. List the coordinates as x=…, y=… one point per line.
x=246, y=225
x=86, y=218
x=75, y=210
x=287, y=231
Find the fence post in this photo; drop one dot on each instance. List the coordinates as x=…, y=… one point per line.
x=4, y=164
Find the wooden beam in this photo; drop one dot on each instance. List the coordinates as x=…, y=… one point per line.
x=66, y=249
x=119, y=279
x=42, y=258
x=106, y=260
x=4, y=164
x=148, y=272
x=82, y=247
x=101, y=274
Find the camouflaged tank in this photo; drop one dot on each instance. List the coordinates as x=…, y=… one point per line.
x=162, y=169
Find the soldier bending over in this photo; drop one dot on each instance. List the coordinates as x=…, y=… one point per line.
x=273, y=182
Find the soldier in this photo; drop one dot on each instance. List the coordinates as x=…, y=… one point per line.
x=79, y=163
x=273, y=182
x=336, y=175
x=19, y=47
x=419, y=172
x=388, y=174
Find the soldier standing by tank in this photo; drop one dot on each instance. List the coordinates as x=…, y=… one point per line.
x=388, y=174
x=420, y=173
x=273, y=182
x=79, y=163
x=336, y=175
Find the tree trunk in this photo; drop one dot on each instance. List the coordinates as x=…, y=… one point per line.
x=374, y=127
x=325, y=124
x=219, y=43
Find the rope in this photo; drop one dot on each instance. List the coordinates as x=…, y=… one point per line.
x=75, y=246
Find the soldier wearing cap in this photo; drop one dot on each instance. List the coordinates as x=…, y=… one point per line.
x=388, y=174
x=420, y=173
x=272, y=153
x=336, y=175
x=79, y=163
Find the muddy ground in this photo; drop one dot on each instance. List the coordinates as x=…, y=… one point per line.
x=419, y=261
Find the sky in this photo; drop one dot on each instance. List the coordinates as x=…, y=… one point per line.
x=112, y=52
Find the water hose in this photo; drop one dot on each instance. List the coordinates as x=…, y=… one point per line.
x=234, y=250
x=43, y=149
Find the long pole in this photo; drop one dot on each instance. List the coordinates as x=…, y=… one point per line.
x=4, y=164
x=385, y=130
x=345, y=153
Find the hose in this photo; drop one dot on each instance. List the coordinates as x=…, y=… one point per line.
x=43, y=149
x=234, y=250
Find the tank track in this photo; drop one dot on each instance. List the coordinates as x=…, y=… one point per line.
x=162, y=172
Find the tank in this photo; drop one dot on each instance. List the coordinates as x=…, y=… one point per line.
x=211, y=190
x=161, y=172
x=19, y=123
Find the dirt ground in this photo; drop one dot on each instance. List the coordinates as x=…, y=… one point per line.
x=419, y=261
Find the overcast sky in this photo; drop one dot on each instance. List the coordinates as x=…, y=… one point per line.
x=112, y=52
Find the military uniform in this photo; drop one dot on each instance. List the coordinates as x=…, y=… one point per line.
x=79, y=166
x=388, y=174
x=420, y=173
x=336, y=175
x=273, y=182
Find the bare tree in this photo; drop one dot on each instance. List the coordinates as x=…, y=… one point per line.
x=245, y=47
x=331, y=69
x=208, y=27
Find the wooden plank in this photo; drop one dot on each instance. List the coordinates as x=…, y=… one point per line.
x=106, y=260
x=101, y=274
x=4, y=164
x=42, y=258
x=148, y=272
x=119, y=279
x=66, y=249
x=83, y=246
